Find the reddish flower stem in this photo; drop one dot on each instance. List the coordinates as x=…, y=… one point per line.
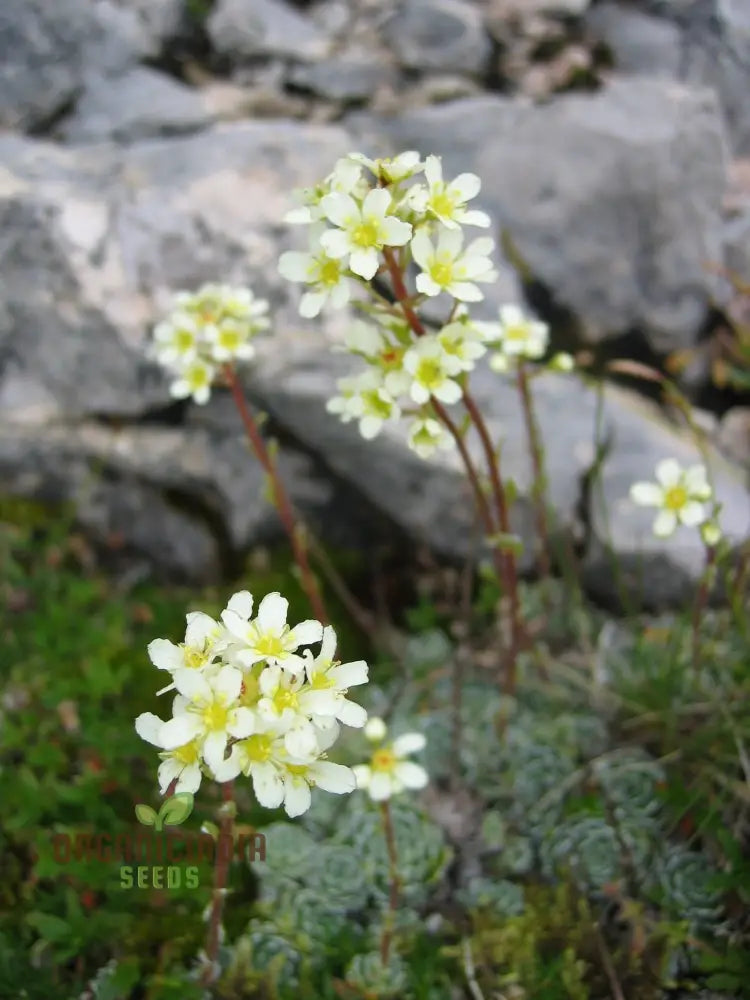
x=390, y=919
x=221, y=874
x=281, y=500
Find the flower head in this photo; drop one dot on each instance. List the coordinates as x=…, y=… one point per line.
x=327, y=276
x=392, y=169
x=447, y=267
x=446, y=201
x=521, y=336
x=363, y=229
x=427, y=435
x=389, y=772
x=268, y=637
x=433, y=371
x=680, y=494
x=364, y=397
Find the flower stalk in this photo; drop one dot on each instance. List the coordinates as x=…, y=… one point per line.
x=222, y=861
x=536, y=450
x=389, y=922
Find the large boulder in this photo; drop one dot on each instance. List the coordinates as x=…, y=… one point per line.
x=243, y=30
x=613, y=199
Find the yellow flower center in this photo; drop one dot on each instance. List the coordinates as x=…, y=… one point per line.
x=284, y=698
x=376, y=405
x=366, y=233
x=198, y=377
x=442, y=271
x=519, y=332
x=321, y=681
x=383, y=760
x=270, y=645
x=257, y=747
x=391, y=358
x=675, y=498
x=429, y=373
x=441, y=203
x=184, y=340
x=329, y=272
x=229, y=338
x=298, y=769
x=186, y=754
x=215, y=717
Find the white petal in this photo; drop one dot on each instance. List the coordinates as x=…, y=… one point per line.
x=408, y=743
x=669, y=472
x=190, y=779
x=476, y=218
x=349, y=674
x=311, y=303
x=697, y=483
x=295, y=266
x=164, y=654
x=325, y=703
x=433, y=170
x=395, y=232
x=336, y=243
x=272, y=613
x=362, y=775
x=376, y=203
x=269, y=680
x=646, y=494
x=193, y=686
x=341, y=209
x=411, y=775
x=228, y=768
x=381, y=787
x=465, y=185
x=301, y=740
x=235, y=622
x=465, y=291
x=328, y=644
x=267, y=785
x=376, y=729
x=421, y=249
x=693, y=514
x=426, y=285
x=149, y=726
x=297, y=797
x=450, y=240
x=351, y=714
x=448, y=392
x=665, y=524
x=242, y=722
x=228, y=683
x=199, y=627
x=241, y=604
x=214, y=748
x=169, y=769
x=307, y=632
x=364, y=262
x=180, y=730
x=334, y=777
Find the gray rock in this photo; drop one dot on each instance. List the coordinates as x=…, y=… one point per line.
x=41, y=59
x=104, y=236
x=640, y=43
x=613, y=199
x=447, y=35
x=159, y=21
x=140, y=104
x=733, y=437
x=737, y=245
x=347, y=79
x=624, y=563
x=245, y=29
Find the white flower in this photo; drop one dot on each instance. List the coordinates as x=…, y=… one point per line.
x=346, y=178
x=210, y=715
x=363, y=230
x=181, y=763
x=299, y=778
x=329, y=681
x=432, y=371
x=711, y=533
x=520, y=336
x=388, y=773
x=195, y=380
x=375, y=729
x=380, y=348
x=464, y=342
x=446, y=202
x=176, y=340
x=392, y=169
x=268, y=637
x=365, y=398
x=326, y=275
x=283, y=705
x=681, y=495
x=427, y=435
x=448, y=268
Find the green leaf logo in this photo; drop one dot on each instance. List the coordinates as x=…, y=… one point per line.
x=145, y=815
x=176, y=810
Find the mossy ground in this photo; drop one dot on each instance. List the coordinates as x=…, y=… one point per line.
x=605, y=839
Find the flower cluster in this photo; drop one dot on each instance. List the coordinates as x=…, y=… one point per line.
x=682, y=496
x=371, y=217
x=388, y=772
x=251, y=700
x=206, y=329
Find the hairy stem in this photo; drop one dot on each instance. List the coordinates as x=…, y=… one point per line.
x=223, y=857
x=390, y=919
x=536, y=450
x=290, y=523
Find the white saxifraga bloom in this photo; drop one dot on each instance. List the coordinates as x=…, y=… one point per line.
x=272, y=721
x=446, y=201
x=195, y=380
x=432, y=371
x=521, y=336
x=680, y=494
x=392, y=169
x=381, y=349
x=363, y=229
x=176, y=340
x=345, y=178
x=388, y=772
x=427, y=435
x=463, y=342
x=268, y=637
x=327, y=276
x=365, y=398
x=447, y=267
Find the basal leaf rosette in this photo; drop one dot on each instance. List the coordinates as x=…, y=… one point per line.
x=689, y=888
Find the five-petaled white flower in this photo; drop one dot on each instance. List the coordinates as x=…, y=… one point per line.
x=427, y=435
x=446, y=201
x=392, y=169
x=521, y=336
x=447, y=267
x=268, y=637
x=327, y=276
x=329, y=682
x=176, y=340
x=681, y=494
x=209, y=715
x=388, y=773
x=195, y=380
x=463, y=342
x=181, y=764
x=433, y=371
x=363, y=229
x=365, y=398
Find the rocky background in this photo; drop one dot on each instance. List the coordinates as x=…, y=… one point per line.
x=150, y=145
